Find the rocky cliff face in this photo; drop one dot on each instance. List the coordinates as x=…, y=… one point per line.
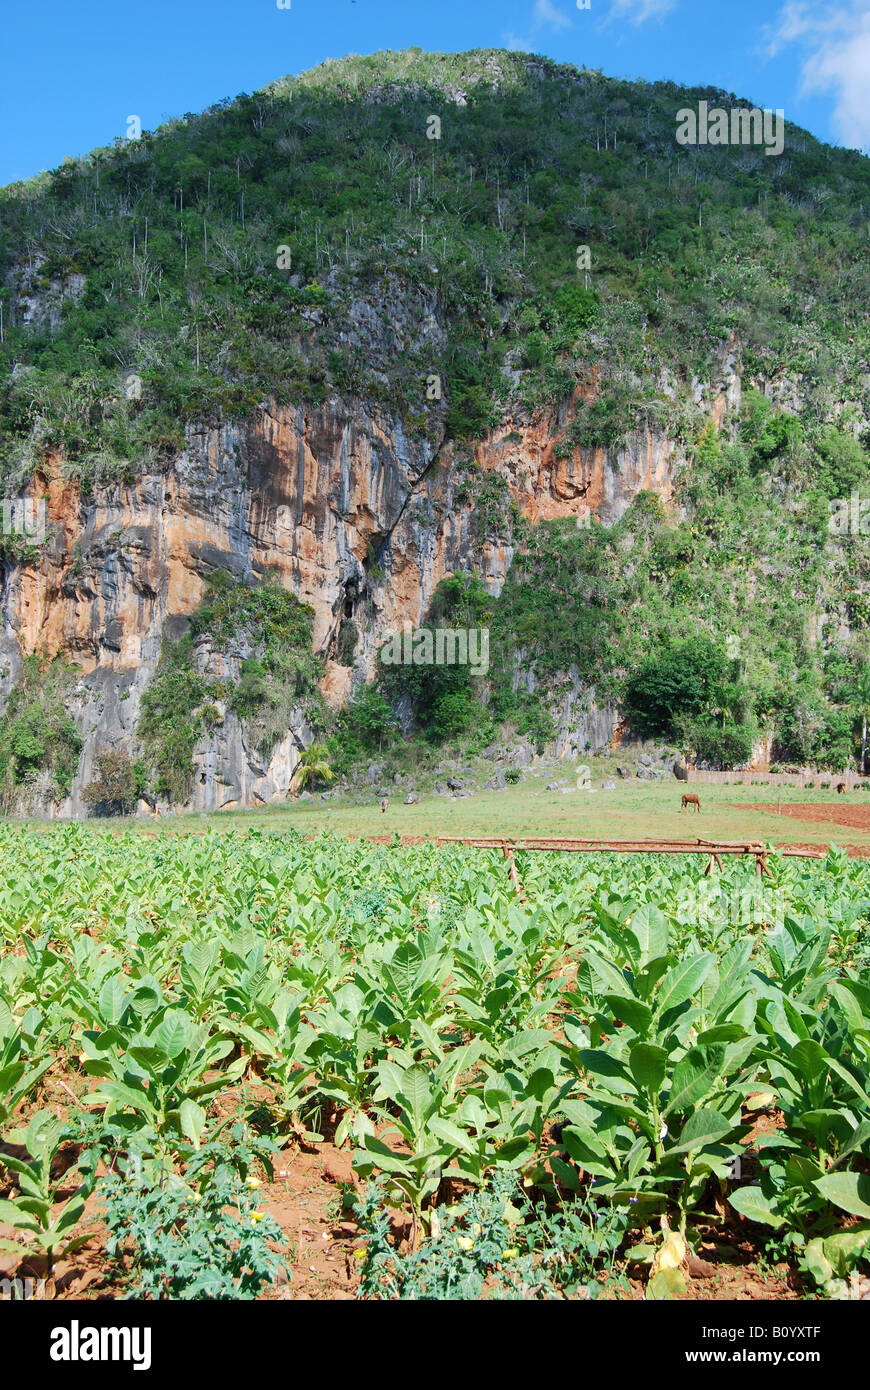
x=354, y=517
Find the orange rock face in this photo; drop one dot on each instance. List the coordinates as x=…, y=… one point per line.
x=352, y=516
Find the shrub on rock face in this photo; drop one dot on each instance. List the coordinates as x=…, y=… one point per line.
x=39, y=740
x=117, y=786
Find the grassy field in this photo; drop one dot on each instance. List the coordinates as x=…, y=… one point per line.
x=634, y=810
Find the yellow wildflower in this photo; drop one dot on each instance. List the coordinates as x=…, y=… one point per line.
x=464, y=1242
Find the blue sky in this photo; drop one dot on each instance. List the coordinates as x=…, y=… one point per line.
x=74, y=73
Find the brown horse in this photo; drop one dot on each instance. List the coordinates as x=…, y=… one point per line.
x=841, y=788
x=385, y=803
x=690, y=799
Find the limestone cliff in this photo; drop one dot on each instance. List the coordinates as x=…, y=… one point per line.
x=354, y=517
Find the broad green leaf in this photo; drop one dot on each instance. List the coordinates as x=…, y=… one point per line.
x=809, y=1058
x=451, y=1133
x=43, y=1133
x=631, y=1011
x=119, y=1093
x=174, y=1033
x=649, y=927
x=576, y=1135
x=842, y=1250
x=429, y=1037
x=845, y=1075
x=694, y=1078
x=113, y=999
x=70, y=1215
x=608, y=1070
x=540, y=1082
x=665, y=1285
x=683, y=981
x=576, y=1032
x=721, y=1033
x=566, y=1175
x=391, y=1078
x=192, y=1119
x=516, y=1152
x=383, y=1157
x=752, y=1203
x=613, y=980
x=848, y=1191
x=16, y=1216
x=649, y=1066
x=701, y=1128
x=417, y=1092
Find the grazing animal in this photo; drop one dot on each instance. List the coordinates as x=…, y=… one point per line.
x=841, y=788
x=385, y=803
x=690, y=799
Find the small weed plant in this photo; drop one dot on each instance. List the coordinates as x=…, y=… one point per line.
x=495, y=1243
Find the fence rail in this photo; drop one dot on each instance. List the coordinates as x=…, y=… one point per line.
x=715, y=849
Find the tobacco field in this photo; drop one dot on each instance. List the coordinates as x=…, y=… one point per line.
x=587, y=1082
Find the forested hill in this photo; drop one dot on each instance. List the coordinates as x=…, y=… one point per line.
x=384, y=223
x=177, y=234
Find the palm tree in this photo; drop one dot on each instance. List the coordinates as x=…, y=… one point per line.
x=312, y=767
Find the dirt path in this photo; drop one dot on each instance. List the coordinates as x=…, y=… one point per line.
x=830, y=812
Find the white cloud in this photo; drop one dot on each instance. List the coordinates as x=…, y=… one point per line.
x=838, y=60
x=639, y=11
x=800, y=20
x=546, y=15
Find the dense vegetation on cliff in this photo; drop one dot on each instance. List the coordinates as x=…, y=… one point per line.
x=312, y=239
x=751, y=616
x=222, y=256
x=269, y=633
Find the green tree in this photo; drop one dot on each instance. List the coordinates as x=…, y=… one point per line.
x=116, y=786
x=842, y=463
x=678, y=681
x=313, y=767
x=369, y=716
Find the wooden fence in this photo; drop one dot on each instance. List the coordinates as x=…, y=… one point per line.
x=714, y=849
x=777, y=779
